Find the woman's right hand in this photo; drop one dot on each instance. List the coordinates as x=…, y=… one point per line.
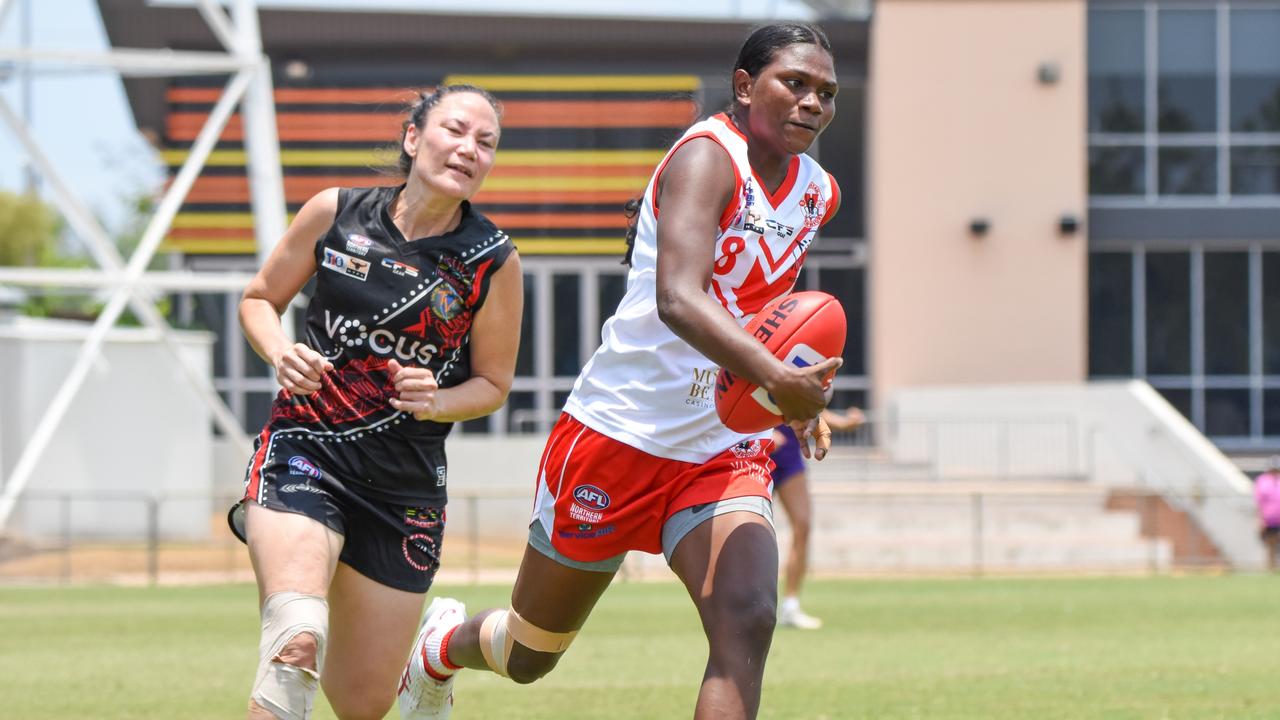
x=299, y=369
x=801, y=392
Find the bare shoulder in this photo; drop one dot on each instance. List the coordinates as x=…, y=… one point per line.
x=322, y=204
x=700, y=158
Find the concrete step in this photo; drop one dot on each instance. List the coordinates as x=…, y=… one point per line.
x=1026, y=553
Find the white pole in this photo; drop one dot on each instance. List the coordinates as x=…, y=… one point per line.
x=217, y=21
x=261, y=141
x=151, y=238
x=164, y=62
x=187, y=280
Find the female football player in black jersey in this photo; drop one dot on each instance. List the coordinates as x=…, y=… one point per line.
x=414, y=325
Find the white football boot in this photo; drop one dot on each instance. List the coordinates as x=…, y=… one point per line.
x=426, y=687
x=791, y=615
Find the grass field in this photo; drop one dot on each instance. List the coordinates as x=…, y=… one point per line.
x=1190, y=647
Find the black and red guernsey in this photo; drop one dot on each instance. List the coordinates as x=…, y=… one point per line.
x=381, y=296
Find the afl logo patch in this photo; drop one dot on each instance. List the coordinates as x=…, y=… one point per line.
x=444, y=301
x=358, y=244
x=590, y=496
x=299, y=465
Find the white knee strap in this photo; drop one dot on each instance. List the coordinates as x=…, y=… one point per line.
x=289, y=691
x=502, y=629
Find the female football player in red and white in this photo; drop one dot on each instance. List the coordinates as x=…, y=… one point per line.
x=640, y=460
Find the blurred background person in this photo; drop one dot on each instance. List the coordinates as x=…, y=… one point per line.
x=1266, y=491
x=791, y=486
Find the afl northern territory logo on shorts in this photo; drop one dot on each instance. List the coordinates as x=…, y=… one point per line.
x=588, y=505
x=299, y=465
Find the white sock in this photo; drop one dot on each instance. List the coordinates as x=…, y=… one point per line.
x=790, y=603
x=431, y=654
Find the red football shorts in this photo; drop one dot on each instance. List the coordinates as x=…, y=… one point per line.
x=604, y=497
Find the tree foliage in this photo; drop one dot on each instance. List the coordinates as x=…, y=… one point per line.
x=28, y=230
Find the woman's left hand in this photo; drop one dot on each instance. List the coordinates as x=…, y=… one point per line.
x=415, y=390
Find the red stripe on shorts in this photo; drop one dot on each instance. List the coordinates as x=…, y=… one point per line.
x=253, y=486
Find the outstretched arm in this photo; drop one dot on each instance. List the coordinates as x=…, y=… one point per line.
x=850, y=419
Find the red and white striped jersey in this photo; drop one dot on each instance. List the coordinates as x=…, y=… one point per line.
x=645, y=386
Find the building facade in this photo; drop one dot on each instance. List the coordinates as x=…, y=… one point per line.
x=1034, y=190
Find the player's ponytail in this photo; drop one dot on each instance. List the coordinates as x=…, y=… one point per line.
x=631, y=209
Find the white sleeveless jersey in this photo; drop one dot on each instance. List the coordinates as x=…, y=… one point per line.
x=645, y=386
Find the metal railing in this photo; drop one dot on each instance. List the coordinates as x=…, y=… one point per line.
x=857, y=529
x=964, y=448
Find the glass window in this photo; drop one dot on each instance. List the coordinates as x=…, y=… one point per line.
x=524, y=356
x=217, y=429
x=1111, y=313
x=1188, y=171
x=1255, y=70
x=521, y=415
x=1168, y=313
x=210, y=313
x=1226, y=313
x=255, y=366
x=610, y=287
x=1226, y=413
x=842, y=400
x=1186, y=86
x=566, y=324
x=1179, y=398
x=841, y=153
x=1256, y=170
x=1271, y=313
x=1117, y=170
x=1117, y=100
x=846, y=284
x=257, y=410
x=1271, y=413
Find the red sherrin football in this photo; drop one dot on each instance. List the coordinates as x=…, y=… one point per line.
x=802, y=328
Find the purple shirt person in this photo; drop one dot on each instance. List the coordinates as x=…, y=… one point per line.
x=791, y=488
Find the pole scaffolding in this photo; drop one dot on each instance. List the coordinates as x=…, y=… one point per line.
x=151, y=238
x=130, y=284
x=100, y=246
x=188, y=280
x=135, y=63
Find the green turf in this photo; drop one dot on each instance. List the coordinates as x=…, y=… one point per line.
x=1192, y=647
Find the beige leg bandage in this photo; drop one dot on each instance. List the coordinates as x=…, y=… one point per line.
x=502, y=629
x=285, y=690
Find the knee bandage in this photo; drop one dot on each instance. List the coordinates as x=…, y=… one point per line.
x=502, y=629
x=288, y=691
